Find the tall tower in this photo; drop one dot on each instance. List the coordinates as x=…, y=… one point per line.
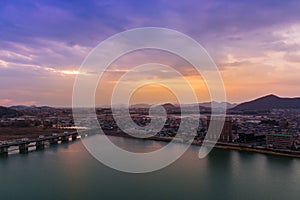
x=226, y=134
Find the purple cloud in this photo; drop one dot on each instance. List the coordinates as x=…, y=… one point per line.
x=40, y=37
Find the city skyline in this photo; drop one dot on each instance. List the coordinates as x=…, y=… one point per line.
x=43, y=44
x=160, y=99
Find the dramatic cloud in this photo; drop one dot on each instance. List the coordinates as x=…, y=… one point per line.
x=256, y=44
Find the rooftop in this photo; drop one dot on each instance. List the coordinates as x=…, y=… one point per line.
x=280, y=135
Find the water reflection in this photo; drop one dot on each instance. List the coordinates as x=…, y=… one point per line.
x=67, y=171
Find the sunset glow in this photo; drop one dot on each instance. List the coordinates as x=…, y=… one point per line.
x=43, y=44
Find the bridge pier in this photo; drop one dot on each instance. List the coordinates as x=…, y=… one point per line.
x=3, y=150
x=40, y=145
x=65, y=138
x=74, y=136
x=23, y=148
x=53, y=139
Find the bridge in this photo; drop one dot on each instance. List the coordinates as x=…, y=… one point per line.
x=39, y=142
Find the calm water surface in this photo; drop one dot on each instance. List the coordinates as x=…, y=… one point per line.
x=68, y=171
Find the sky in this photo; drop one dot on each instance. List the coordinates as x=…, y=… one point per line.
x=255, y=44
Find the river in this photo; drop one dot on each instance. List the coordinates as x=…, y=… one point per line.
x=68, y=171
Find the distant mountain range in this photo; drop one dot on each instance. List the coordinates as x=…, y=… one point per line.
x=142, y=105
x=22, y=107
x=8, y=112
x=269, y=102
x=260, y=104
x=201, y=105
x=263, y=103
x=218, y=104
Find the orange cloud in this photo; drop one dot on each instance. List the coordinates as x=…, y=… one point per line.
x=8, y=102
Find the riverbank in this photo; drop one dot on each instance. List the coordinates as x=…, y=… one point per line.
x=219, y=145
x=263, y=150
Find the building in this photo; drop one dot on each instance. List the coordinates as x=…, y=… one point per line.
x=213, y=128
x=279, y=141
x=251, y=137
